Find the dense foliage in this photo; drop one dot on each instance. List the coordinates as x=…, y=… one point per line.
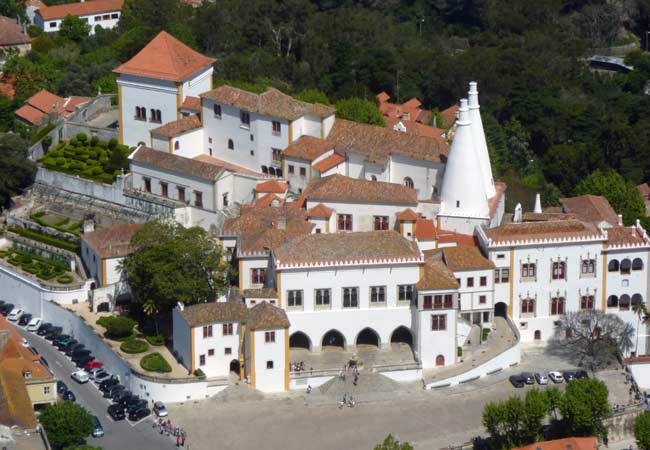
x=155, y=362
x=117, y=327
x=642, y=431
x=66, y=424
x=16, y=171
x=390, y=443
x=43, y=268
x=550, y=120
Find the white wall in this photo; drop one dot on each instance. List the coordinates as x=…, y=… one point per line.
x=190, y=144
x=269, y=380
x=425, y=174
x=296, y=181
x=53, y=26
x=362, y=214
x=182, y=340
x=641, y=374
x=245, y=266
x=430, y=343
x=198, y=83
x=306, y=125
x=219, y=364
x=470, y=296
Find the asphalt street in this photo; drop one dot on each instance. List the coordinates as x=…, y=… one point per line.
x=120, y=435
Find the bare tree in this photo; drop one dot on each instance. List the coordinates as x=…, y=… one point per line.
x=592, y=337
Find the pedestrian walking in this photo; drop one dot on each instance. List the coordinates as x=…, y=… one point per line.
x=183, y=439
x=606, y=440
x=178, y=441
x=356, y=378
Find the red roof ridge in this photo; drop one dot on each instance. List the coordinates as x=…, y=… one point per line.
x=408, y=215
x=272, y=186
x=320, y=211
x=82, y=8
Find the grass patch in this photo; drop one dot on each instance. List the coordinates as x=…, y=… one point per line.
x=92, y=159
x=44, y=238
x=157, y=339
x=199, y=373
x=64, y=225
x=459, y=351
x=118, y=328
x=44, y=268
x=134, y=346
x=155, y=362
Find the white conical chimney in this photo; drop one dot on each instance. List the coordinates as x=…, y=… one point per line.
x=463, y=192
x=518, y=215
x=538, y=204
x=479, y=140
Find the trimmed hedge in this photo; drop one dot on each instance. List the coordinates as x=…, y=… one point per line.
x=65, y=279
x=157, y=339
x=133, y=345
x=40, y=237
x=155, y=362
x=43, y=268
x=62, y=225
x=117, y=327
x=199, y=373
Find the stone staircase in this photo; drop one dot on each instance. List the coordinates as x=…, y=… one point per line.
x=369, y=382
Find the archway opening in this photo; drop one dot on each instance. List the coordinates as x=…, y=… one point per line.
x=402, y=335
x=299, y=340
x=501, y=309
x=440, y=360
x=333, y=338
x=368, y=336
x=235, y=367
x=538, y=335
x=104, y=307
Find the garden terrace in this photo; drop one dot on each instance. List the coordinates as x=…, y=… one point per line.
x=88, y=158
x=57, y=221
x=44, y=269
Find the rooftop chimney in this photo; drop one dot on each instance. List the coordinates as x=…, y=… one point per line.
x=89, y=226
x=480, y=143
x=517, y=216
x=620, y=220
x=538, y=204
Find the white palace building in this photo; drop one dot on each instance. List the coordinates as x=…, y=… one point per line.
x=345, y=234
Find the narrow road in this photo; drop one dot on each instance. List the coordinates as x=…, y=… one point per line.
x=120, y=435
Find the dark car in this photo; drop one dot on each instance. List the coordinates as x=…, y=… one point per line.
x=141, y=403
x=517, y=381
x=82, y=350
x=130, y=401
x=72, y=347
x=139, y=414
x=69, y=395
x=106, y=385
x=83, y=360
x=44, y=328
x=581, y=374
x=528, y=377
x=6, y=309
x=116, y=412
x=24, y=319
x=61, y=387
x=569, y=375
x=101, y=377
x=98, y=430
x=54, y=333
x=61, y=338
x=117, y=391
x=119, y=395
x=64, y=344
x=112, y=390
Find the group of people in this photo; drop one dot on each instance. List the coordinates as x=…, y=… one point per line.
x=297, y=366
x=355, y=372
x=165, y=426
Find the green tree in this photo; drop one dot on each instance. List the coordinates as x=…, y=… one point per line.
x=642, y=431
x=74, y=28
x=507, y=423
x=359, y=110
x=313, y=96
x=16, y=170
x=171, y=263
x=66, y=424
x=83, y=447
x=584, y=407
x=536, y=408
x=553, y=399
x=390, y=443
x=621, y=194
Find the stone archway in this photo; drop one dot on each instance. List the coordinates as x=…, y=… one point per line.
x=368, y=336
x=333, y=338
x=402, y=335
x=299, y=340
x=500, y=309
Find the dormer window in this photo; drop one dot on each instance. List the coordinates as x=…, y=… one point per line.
x=217, y=111
x=245, y=119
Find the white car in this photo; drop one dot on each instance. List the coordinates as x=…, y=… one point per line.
x=92, y=373
x=80, y=376
x=556, y=377
x=160, y=409
x=541, y=378
x=15, y=314
x=34, y=324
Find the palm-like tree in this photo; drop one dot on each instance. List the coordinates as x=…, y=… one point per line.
x=151, y=308
x=639, y=310
x=646, y=321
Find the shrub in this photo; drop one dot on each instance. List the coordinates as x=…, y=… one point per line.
x=459, y=351
x=157, y=339
x=117, y=327
x=60, y=161
x=54, y=242
x=155, y=362
x=112, y=143
x=64, y=279
x=133, y=345
x=199, y=373
x=94, y=141
x=81, y=137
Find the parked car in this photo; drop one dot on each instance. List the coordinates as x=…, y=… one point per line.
x=82, y=350
x=556, y=377
x=34, y=324
x=121, y=395
x=72, y=347
x=98, y=430
x=25, y=319
x=581, y=374
x=116, y=412
x=69, y=395
x=528, y=377
x=139, y=414
x=95, y=364
x=569, y=375
x=160, y=409
x=61, y=387
x=61, y=339
x=517, y=381
x=53, y=333
x=92, y=373
x=43, y=328
x=134, y=406
x=63, y=346
x=101, y=377
x=541, y=378
x=107, y=384
x=80, y=376
x=15, y=314
x=82, y=360
x=130, y=401
x=112, y=390
x=6, y=309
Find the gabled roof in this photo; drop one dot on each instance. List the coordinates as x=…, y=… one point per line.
x=425, y=230
x=408, y=215
x=215, y=312
x=225, y=164
x=191, y=103
x=267, y=316
x=329, y=162
x=336, y=188
x=590, y=208
x=436, y=276
x=625, y=236
x=554, y=229
x=465, y=258
x=39, y=105
x=347, y=247
x=320, y=211
x=113, y=242
x=571, y=443
x=11, y=33
x=272, y=186
x=268, y=199
x=177, y=164
x=178, y=127
x=83, y=8
x=165, y=58
x=307, y=148
x=450, y=114
x=272, y=102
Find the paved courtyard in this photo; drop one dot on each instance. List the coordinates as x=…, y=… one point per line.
x=366, y=355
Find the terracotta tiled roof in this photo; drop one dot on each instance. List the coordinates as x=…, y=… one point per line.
x=83, y=8
x=571, y=443
x=39, y=105
x=425, y=230
x=260, y=293
x=214, y=312
x=436, y=276
x=541, y=230
x=307, y=148
x=113, y=242
x=465, y=258
x=449, y=115
x=378, y=143
x=624, y=236
x=382, y=97
x=419, y=129
x=348, y=247
x=335, y=188
x=225, y=164
x=590, y=208
x=11, y=33
x=46, y=101
x=265, y=316
x=329, y=162
x=546, y=216
x=320, y=211
x=178, y=164
x=15, y=405
x=408, y=215
x=192, y=103
x=30, y=114
x=8, y=86
x=272, y=186
x=461, y=240
x=165, y=58
x=178, y=127
x=272, y=103
x=268, y=199
x=493, y=203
